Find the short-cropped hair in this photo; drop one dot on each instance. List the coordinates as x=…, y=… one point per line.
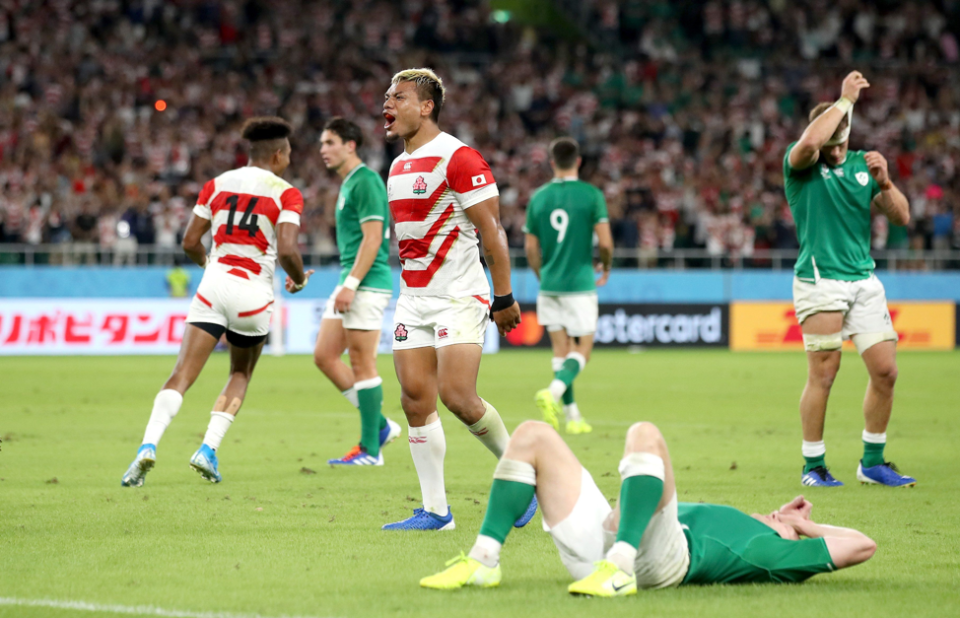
x=429, y=87
x=264, y=128
x=346, y=130
x=564, y=152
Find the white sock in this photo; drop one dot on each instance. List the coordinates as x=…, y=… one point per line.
x=557, y=363
x=428, y=446
x=486, y=551
x=351, y=395
x=572, y=412
x=557, y=389
x=219, y=424
x=624, y=555
x=491, y=431
x=813, y=449
x=165, y=406
x=874, y=438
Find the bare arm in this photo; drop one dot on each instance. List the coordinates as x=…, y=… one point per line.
x=890, y=201
x=605, y=246
x=366, y=255
x=807, y=151
x=847, y=547
x=288, y=252
x=192, y=244
x=486, y=217
x=531, y=247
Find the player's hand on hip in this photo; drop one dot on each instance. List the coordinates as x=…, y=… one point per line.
x=877, y=164
x=292, y=287
x=343, y=300
x=852, y=85
x=507, y=319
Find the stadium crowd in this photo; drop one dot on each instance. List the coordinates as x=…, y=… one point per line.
x=114, y=112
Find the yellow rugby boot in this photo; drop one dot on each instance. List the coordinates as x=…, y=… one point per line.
x=607, y=580
x=463, y=571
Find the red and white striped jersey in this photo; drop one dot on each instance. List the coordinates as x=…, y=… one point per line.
x=245, y=206
x=430, y=190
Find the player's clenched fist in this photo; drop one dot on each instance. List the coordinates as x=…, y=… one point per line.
x=507, y=318
x=877, y=164
x=852, y=85
x=292, y=287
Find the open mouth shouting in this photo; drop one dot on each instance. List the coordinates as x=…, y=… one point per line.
x=390, y=120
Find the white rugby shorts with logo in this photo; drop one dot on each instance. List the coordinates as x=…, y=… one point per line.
x=438, y=321
x=241, y=305
x=575, y=313
x=366, y=310
x=582, y=539
x=863, y=304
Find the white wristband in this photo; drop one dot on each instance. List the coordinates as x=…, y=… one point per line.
x=351, y=283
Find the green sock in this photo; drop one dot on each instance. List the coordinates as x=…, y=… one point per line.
x=383, y=420
x=813, y=462
x=872, y=454
x=639, y=496
x=371, y=420
x=569, y=371
x=567, y=394
x=508, y=501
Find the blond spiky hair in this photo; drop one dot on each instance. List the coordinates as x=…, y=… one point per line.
x=429, y=87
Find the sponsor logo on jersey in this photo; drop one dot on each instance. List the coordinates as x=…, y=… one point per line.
x=478, y=180
x=400, y=334
x=863, y=178
x=824, y=171
x=838, y=172
x=341, y=202
x=442, y=333
x=407, y=166
x=419, y=186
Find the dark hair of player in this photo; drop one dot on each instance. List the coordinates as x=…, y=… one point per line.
x=564, y=152
x=265, y=134
x=824, y=106
x=345, y=130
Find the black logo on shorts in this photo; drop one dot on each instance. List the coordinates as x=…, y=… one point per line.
x=401, y=333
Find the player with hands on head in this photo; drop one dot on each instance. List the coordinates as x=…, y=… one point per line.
x=255, y=218
x=443, y=200
x=832, y=191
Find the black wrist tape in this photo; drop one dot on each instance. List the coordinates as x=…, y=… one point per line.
x=502, y=302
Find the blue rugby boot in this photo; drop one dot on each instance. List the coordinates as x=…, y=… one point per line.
x=424, y=520
x=357, y=456
x=884, y=474
x=204, y=461
x=389, y=433
x=819, y=477
x=142, y=463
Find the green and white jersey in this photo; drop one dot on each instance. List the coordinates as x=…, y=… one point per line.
x=363, y=197
x=562, y=214
x=831, y=207
x=729, y=546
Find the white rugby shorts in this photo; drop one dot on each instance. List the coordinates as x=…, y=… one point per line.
x=366, y=310
x=435, y=321
x=574, y=313
x=242, y=306
x=863, y=304
x=662, y=559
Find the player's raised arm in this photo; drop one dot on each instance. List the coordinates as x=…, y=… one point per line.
x=820, y=131
x=847, y=547
x=890, y=201
x=192, y=244
x=486, y=217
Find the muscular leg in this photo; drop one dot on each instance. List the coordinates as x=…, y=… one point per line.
x=881, y=362
x=822, y=367
x=331, y=342
x=457, y=369
x=242, y=363
x=362, y=347
x=195, y=349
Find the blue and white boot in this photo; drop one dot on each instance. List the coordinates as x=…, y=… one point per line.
x=528, y=514
x=204, y=461
x=358, y=456
x=424, y=520
x=389, y=433
x=137, y=472
x=884, y=474
x=819, y=477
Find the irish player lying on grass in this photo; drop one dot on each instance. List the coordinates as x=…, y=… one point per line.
x=649, y=540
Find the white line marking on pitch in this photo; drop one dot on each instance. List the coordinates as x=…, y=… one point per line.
x=139, y=610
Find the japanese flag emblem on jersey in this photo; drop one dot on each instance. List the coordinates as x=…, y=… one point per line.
x=479, y=179
x=863, y=178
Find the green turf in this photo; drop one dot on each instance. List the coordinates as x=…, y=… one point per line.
x=286, y=534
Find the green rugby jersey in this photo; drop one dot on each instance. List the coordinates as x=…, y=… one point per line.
x=562, y=214
x=729, y=546
x=363, y=197
x=831, y=207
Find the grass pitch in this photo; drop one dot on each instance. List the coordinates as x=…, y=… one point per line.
x=285, y=534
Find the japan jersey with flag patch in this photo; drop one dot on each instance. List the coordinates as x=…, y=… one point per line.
x=244, y=207
x=429, y=191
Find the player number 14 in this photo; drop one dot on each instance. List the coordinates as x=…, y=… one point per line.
x=559, y=219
